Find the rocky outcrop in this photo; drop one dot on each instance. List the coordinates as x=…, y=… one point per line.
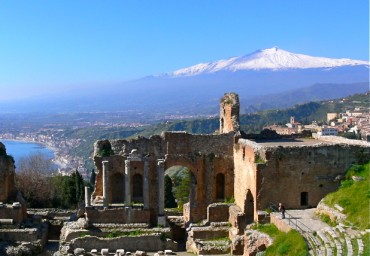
x=8, y=191
x=255, y=242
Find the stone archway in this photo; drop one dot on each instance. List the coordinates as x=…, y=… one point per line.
x=118, y=188
x=249, y=208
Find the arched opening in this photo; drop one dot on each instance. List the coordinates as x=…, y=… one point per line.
x=117, y=184
x=220, y=186
x=249, y=208
x=180, y=185
x=137, y=188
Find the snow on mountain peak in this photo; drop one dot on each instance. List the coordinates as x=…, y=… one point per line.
x=271, y=58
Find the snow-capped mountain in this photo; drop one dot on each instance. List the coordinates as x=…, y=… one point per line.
x=272, y=58
x=267, y=78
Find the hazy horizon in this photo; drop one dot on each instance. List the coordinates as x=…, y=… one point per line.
x=50, y=47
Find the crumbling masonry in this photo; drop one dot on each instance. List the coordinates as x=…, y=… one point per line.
x=255, y=172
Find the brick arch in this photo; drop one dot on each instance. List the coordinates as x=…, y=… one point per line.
x=249, y=207
x=197, y=207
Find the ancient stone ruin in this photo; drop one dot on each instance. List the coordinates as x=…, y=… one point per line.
x=254, y=170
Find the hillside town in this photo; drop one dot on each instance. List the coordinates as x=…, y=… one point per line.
x=352, y=123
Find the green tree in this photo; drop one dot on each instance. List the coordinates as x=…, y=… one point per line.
x=169, y=199
x=182, y=191
x=92, y=179
x=79, y=187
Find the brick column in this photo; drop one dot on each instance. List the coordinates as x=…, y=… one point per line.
x=160, y=171
x=146, y=184
x=127, y=184
x=105, y=183
x=87, y=196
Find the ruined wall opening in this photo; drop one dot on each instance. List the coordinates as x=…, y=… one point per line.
x=180, y=185
x=137, y=188
x=304, y=198
x=117, y=193
x=220, y=186
x=249, y=208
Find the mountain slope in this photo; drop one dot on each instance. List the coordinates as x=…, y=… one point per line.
x=196, y=90
x=273, y=58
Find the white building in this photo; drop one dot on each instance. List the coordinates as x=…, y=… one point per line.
x=328, y=131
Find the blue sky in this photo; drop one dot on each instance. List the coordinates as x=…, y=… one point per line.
x=52, y=45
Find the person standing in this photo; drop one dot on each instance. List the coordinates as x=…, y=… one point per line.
x=282, y=210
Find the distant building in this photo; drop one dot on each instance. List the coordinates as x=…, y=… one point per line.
x=290, y=128
x=331, y=116
x=328, y=131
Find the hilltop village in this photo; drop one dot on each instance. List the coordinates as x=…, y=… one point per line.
x=126, y=212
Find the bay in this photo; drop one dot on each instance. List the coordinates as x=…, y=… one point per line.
x=19, y=149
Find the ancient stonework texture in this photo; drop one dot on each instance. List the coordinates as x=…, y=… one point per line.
x=229, y=113
x=297, y=173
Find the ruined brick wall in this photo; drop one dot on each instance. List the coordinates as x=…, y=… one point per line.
x=118, y=215
x=218, y=212
x=229, y=113
x=297, y=176
x=245, y=174
x=208, y=157
x=17, y=213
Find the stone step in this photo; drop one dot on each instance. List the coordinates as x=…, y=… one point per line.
x=326, y=243
x=312, y=243
x=360, y=245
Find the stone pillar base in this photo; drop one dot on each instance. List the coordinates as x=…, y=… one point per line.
x=161, y=221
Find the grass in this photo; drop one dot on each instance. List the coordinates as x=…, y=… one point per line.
x=366, y=241
x=291, y=243
x=354, y=196
x=325, y=218
x=115, y=234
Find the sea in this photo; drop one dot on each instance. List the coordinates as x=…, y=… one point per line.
x=19, y=149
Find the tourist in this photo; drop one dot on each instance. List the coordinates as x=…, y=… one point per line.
x=282, y=210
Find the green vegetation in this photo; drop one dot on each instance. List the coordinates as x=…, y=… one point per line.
x=366, y=239
x=230, y=200
x=291, y=243
x=325, y=218
x=182, y=188
x=115, y=234
x=169, y=199
x=354, y=196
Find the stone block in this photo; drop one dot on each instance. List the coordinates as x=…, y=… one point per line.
x=140, y=253
x=120, y=252
x=104, y=251
x=79, y=251
x=162, y=221
x=16, y=205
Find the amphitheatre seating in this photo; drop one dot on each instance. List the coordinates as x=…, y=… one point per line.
x=330, y=241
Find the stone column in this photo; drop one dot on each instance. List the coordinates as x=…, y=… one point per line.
x=146, y=184
x=127, y=184
x=160, y=171
x=87, y=196
x=105, y=183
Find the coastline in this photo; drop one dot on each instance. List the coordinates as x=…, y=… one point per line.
x=55, y=150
